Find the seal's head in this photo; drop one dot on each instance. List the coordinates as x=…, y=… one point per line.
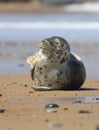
x=56, y=47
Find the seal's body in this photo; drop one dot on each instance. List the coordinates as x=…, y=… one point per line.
x=55, y=67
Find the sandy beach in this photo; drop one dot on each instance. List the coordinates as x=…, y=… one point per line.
x=22, y=108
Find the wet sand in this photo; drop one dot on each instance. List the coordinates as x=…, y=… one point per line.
x=24, y=108
x=27, y=8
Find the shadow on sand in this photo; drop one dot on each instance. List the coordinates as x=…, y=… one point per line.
x=87, y=89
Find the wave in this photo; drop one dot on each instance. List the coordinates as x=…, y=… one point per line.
x=85, y=7
x=49, y=25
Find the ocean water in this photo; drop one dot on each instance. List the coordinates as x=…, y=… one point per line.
x=20, y=34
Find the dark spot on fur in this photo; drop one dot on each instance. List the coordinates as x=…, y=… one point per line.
x=62, y=44
x=58, y=74
x=66, y=58
x=67, y=75
x=61, y=72
x=65, y=54
x=57, y=52
x=63, y=85
x=45, y=66
x=40, y=72
x=61, y=53
x=49, y=84
x=50, y=57
x=66, y=72
x=62, y=61
x=58, y=57
x=52, y=61
x=40, y=69
x=40, y=85
x=57, y=82
x=46, y=76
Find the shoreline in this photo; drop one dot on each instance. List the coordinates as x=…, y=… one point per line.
x=37, y=7
x=28, y=8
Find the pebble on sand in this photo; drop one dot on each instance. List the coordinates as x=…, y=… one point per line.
x=97, y=127
x=55, y=125
x=0, y=95
x=2, y=110
x=52, y=105
x=51, y=108
x=84, y=111
x=65, y=108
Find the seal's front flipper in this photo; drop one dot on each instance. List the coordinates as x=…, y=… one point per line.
x=41, y=88
x=30, y=59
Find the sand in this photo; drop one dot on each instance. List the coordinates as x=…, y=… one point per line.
x=22, y=108
x=28, y=8
x=25, y=108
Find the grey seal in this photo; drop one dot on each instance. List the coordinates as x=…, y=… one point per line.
x=55, y=67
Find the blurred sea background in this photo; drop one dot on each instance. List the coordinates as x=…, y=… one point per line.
x=23, y=23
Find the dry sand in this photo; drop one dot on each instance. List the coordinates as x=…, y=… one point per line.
x=23, y=112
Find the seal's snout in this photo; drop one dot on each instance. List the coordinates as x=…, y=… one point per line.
x=45, y=45
x=42, y=43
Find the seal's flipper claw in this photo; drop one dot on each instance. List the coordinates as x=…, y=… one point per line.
x=41, y=88
x=30, y=59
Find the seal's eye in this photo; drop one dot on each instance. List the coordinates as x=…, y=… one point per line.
x=44, y=41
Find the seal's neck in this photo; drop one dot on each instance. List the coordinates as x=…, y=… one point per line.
x=54, y=58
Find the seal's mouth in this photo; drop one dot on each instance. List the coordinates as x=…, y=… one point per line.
x=42, y=46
